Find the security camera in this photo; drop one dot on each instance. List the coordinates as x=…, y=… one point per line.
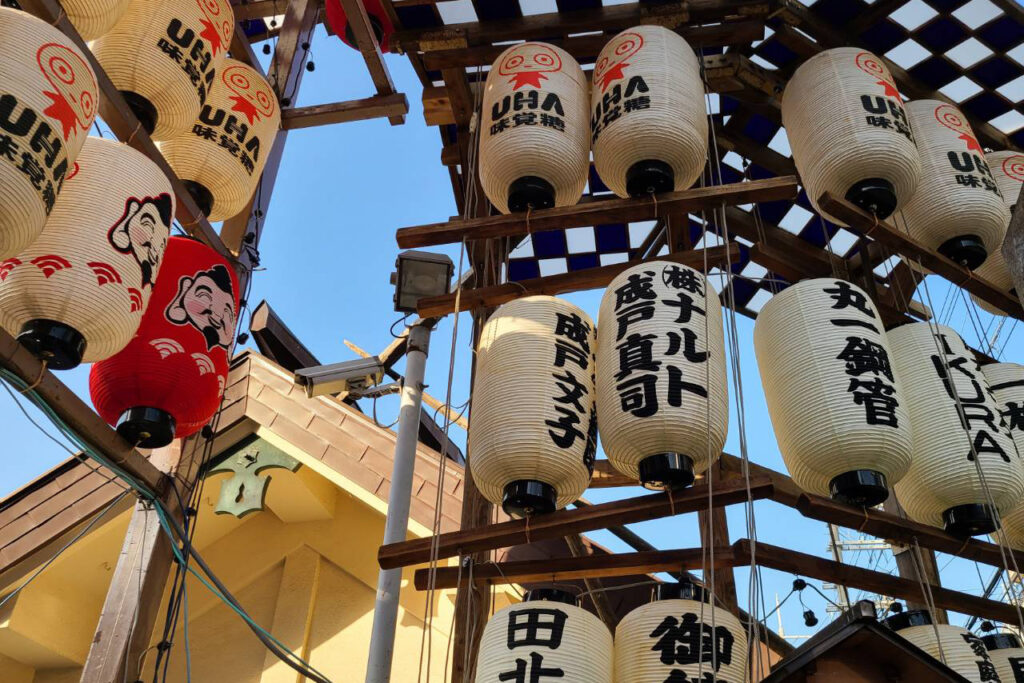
x=353, y=376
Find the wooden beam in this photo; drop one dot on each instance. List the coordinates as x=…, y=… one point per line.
x=605, y=476
x=374, y=107
x=593, y=584
x=277, y=342
x=1013, y=244
x=562, y=522
x=362, y=31
x=714, y=532
x=597, y=212
x=864, y=223
x=575, y=281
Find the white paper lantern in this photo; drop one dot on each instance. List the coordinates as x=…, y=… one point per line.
x=48, y=101
x=535, y=134
x=849, y=131
x=837, y=406
x=93, y=18
x=545, y=638
x=943, y=487
x=957, y=208
x=220, y=160
x=1008, y=171
x=1007, y=654
x=680, y=636
x=163, y=57
x=79, y=292
x=1006, y=380
x=662, y=394
x=956, y=647
x=532, y=431
x=648, y=123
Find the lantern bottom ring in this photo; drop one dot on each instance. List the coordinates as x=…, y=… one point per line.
x=200, y=195
x=146, y=427
x=59, y=344
x=863, y=488
x=969, y=520
x=1000, y=641
x=143, y=109
x=666, y=471
x=528, y=497
x=649, y=176
x=530, y=192
x=551, y=595
x=874, y=195
x=967, y=250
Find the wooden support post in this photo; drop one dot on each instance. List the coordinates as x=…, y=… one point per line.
x=1013, y=244
x=915, y=563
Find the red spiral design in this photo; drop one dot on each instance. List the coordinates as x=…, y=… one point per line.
x=950, y=117
x=869, y=64
x=211, y=6
x=513, y=62
x=1014, y=167
x=62, y=69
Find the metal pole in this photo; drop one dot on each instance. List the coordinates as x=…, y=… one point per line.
x=389, y=582
x=837, y=552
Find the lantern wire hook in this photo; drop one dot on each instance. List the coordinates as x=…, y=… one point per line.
x=138, y=127
x=60, y=16
x=655, y=198
x=529, y=208
x=39, y=379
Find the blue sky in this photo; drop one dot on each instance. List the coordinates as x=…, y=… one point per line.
x=329, y=247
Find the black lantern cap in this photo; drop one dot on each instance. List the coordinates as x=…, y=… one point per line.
x=913, y=617
x=200, y=195
x=57, y=343
x=666, y=471
x=528, y=497
x=969, y=520
x=967, y=250
x=551, y=595
x=874, y=195
x=146, y=427
x=649, y=176
x=530, y=192
x=1001, y=641
x=143, y=109
x=684, y=589
x=863, y=488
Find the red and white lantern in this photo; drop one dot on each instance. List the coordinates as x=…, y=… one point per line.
x=1008, y=171
x=168, y=381
x=380, y=22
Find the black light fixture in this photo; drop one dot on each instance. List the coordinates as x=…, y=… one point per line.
x=420, y=274
x=810, y=619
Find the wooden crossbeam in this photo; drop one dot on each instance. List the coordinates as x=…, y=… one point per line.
x=362, y=31
x=598, y=212
x=374, y=107
x=864, y=223
x=605, y=477
x=558, y=524
x=575, y=281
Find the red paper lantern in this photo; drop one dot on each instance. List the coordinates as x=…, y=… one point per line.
x=379, y=20
x=168, y=381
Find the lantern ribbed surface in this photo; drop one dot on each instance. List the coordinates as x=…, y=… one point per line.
x=1006, y=380
x=228, y=145
x=533, y=400
x=649, y=127
x=835, y=402
x=661, y=380
x=535, y=136
x=956, y=208
x=48, y=101
x=956, y=651
x=660, y=637
x=1008, y=171
x=93, y=266
x=943, y=475
x=167, y=54
x=93, y=18
x=177, y=363
x=1006, y=653
x=848, y=131
x=549, y=636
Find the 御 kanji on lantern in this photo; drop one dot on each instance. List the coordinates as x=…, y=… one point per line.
x=79, y=292
x=1007, y=655
x=1008, y=171
x=221, y=158
x=955, y=646
x=836, y=404
x=1006, y=381
x=380, y=22
x=48, y=101
x=533, y=432
x=957, y=208
x=168, y=381
x=941, y=380
x=680, y=636
x=545, y=638
x=535, y=133
x=93, y=18
x=662, y=397
x=648, y=123
x=164, y=56
x=849, y=131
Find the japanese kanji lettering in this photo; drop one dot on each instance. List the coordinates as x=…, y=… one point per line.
x=573, y=405
x=616, y=103
x=30, y=144
x=845, y=296
x=688, y=640
x=527, y=108
x=986, y=669
x=536, y=673
x=192, y=55
x=538, y=626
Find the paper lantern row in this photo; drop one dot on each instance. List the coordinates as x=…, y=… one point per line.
x=680, y=637
x=976, y=659
x=654, y=375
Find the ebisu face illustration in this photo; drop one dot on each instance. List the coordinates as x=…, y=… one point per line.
x=142, y=231
x=206, y=301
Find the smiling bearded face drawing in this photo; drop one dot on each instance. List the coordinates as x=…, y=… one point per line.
x=142, y=231
x=206, y=301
